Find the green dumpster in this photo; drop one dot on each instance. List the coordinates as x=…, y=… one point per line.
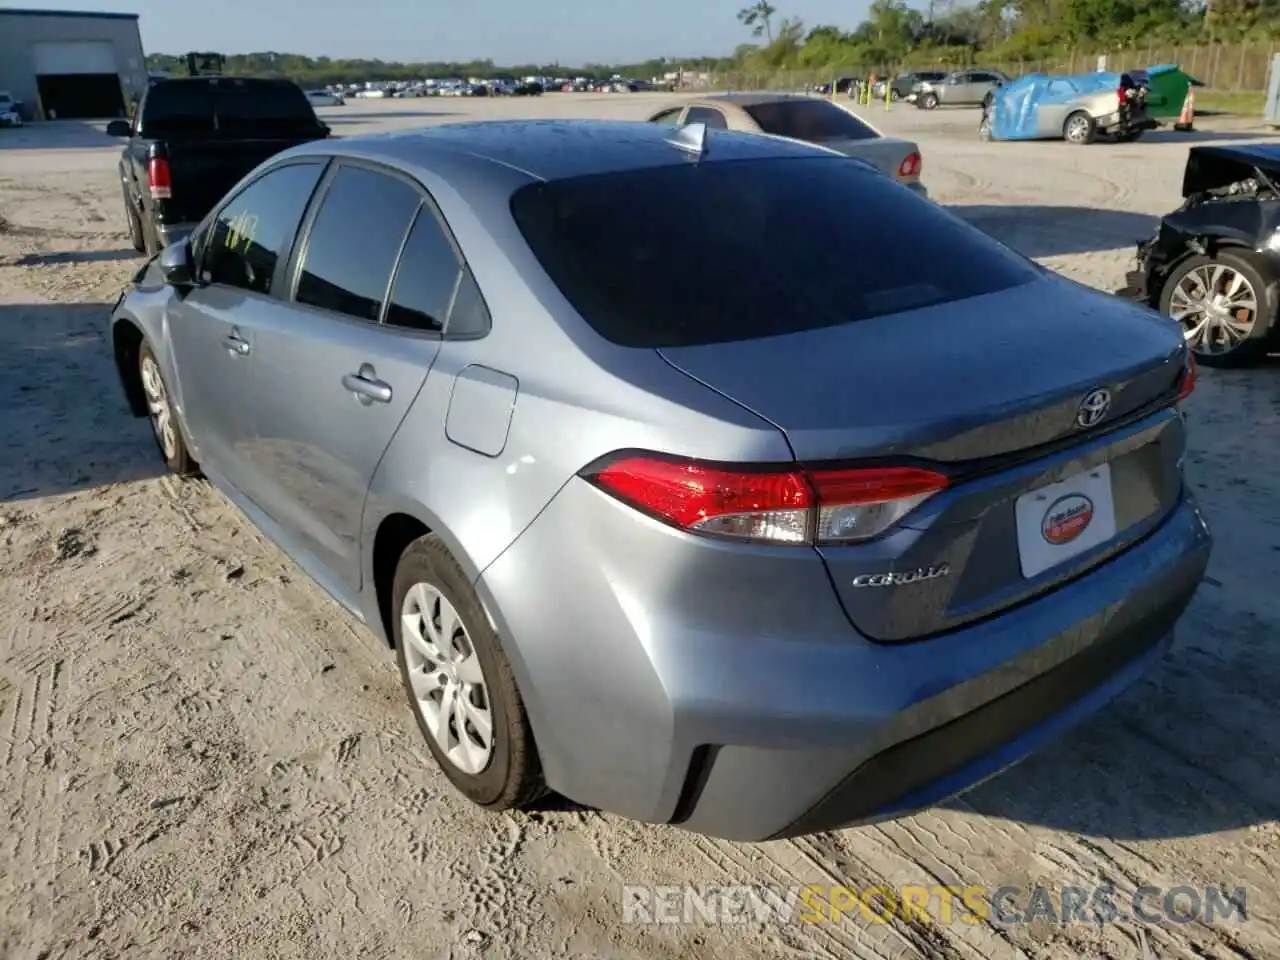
x=1167, y=86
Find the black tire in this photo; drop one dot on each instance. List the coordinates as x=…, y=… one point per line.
x=1251, y=350
x=894, y=96
x=178, y=458
x=150, y=242
x=928, y=101
x=136, y=239
x=1084, y=123
x=513, y=776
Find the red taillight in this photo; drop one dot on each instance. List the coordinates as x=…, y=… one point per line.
x=910, y=166
x=158, y=183
x=783, y=504
x=1188, y=381
x=859, y=504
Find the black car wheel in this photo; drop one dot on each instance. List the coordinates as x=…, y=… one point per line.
x=136, y=238
x=928, y=101
x=1225, y=306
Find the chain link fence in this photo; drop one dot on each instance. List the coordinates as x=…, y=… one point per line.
x=1235, y=67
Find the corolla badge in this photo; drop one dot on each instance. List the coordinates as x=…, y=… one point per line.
x=1066, y=518
x=896, y=578
x=1093, y=408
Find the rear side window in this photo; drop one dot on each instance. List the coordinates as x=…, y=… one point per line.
x=426, y=278
x=714, y=119
x=693, y=254
x=245, y=242
x=352, y=247
x=177, y=109
x=810, y=120
x=277, y=107
x=197, y=107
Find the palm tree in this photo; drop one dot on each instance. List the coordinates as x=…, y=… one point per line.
x=759, y=17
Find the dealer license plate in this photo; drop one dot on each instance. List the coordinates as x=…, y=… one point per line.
x=1064, y=519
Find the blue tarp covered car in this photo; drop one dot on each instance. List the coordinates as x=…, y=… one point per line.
x=1076, y=108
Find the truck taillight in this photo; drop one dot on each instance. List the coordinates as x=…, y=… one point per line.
x=158, y=183
x=784, y=504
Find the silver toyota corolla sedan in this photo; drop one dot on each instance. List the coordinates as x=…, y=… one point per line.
x=708, y=478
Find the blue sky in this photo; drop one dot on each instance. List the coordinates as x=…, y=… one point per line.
x=508, y=31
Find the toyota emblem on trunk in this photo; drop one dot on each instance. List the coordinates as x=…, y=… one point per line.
x=1093, y=407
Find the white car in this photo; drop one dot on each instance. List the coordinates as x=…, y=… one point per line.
x=325, y=98
x=9, y=116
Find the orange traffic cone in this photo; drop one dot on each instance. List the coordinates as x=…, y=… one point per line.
x=1187, y=118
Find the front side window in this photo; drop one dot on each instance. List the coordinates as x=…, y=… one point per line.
x=245, y=241
x=352, y=246
x=693, y=254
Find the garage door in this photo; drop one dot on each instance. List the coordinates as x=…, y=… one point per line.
x=76, y=56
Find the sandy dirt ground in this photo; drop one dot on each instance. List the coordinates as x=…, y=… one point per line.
x=201, y=756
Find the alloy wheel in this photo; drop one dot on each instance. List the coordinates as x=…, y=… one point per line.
x=1217, y=307
x=449, y=688
x=1077, y=129
x=158, y=408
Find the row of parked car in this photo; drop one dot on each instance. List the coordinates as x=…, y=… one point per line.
x=597, y=502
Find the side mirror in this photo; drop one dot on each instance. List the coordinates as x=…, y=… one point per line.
x=177, y=266
x=119, y=128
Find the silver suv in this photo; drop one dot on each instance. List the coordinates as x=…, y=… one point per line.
x=967, y=88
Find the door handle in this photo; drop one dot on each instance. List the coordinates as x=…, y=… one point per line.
x=237, y=345
x=366, y=387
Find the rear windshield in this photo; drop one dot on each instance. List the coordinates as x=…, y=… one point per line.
x=716, y=252
x=814, y=121
x=226, y=106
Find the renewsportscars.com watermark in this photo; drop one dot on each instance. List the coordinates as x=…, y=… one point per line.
x=1004, y=906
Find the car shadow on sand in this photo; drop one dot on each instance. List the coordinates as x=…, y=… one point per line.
x=1169, y=135
x=57, y=135
x=76, y=256
x=65, y=426
x=1040, y=231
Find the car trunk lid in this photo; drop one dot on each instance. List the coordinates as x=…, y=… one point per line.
x=886, y=154
x=992, y=392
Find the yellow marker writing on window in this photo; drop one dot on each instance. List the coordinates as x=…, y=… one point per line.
x=241, y=231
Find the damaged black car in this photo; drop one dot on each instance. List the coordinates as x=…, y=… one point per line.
x=1214, y=264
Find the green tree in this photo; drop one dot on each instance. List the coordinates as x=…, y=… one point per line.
x=759, y=17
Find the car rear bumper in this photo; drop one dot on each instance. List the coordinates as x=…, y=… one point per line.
x=1114, y=123
x=719, y=687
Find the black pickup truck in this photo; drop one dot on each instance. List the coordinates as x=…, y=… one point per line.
x=192, y=139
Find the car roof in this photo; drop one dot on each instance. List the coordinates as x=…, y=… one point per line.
x=557, y=149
